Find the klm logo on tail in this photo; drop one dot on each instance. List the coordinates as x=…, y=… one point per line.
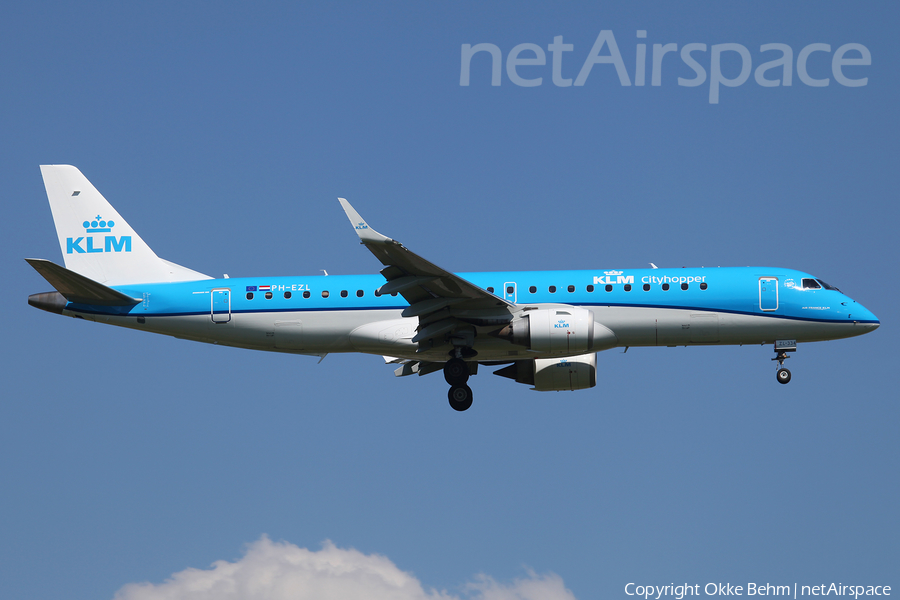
x=110, y=242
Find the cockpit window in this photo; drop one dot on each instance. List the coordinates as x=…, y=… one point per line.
x=827, y=287
x=810, y=284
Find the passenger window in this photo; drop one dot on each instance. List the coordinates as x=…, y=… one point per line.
x=811, y=284
x=510, y=289
x=684, y=286
x=571, y=288
x=608, y=288
x=552, y=289
x=306, y=294
x=359, y=293
x=268, y=295
x=532, y=290
x=377, y=294
x=665, y=287
x=646, y=287
x=590, y=288
x=627, y=287
x=343, y=293
x=325, y=293
x=703, y=286
x=249, y=295
x=490, y=290
x=287, y=295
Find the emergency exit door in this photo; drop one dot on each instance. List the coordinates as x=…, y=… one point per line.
x=509, y=291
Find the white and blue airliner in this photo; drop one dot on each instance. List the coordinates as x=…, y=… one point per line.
x=543, y=328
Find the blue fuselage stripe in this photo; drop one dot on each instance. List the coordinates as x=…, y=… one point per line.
x=733, y=290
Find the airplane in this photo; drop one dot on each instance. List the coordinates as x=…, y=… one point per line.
x=543, y=328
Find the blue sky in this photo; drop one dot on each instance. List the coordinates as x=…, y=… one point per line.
x=224, y=132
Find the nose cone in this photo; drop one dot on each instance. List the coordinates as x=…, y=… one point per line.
x=863, y=317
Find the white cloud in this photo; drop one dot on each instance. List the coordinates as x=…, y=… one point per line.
x=282, y=571
x=534, y=587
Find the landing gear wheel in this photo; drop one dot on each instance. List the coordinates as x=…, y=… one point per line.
x=460, y=397
x=783, y=375
x=456, y=372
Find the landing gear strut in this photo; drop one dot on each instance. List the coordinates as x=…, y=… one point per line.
x=782, y=347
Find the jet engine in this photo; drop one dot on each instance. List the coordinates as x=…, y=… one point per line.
x=554, y=374
x=559, y=331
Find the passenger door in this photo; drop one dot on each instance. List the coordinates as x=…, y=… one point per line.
x=220, y=305
x=768, y=293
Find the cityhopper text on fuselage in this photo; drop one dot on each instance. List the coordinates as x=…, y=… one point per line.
x=541, y=328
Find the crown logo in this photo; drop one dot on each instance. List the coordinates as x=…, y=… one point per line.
x=613, y=272
x=98, y=225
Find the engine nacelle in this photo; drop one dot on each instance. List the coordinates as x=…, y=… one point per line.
x=555, y=374
x=573, y=373
x=559, y=331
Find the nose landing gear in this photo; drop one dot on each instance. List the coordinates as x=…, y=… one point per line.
x=782, y=347
x=783, y=375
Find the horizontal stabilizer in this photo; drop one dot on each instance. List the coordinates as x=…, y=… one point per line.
x=78, y=288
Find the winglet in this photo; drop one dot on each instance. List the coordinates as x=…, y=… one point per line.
x=366, y=234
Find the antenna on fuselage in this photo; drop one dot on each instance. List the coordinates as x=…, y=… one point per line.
x=654, y=266
x=324, y=271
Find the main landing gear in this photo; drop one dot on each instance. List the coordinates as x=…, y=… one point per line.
x=782, y=347
x=456, y=372
x=460, y=397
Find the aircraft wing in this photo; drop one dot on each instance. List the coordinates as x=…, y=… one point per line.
x=445, y=304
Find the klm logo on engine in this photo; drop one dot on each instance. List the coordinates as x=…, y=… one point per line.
x=91, y=243
x=561, y=324
x=610, y=277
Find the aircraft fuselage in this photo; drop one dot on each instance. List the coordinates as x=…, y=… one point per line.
x=330, y=314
